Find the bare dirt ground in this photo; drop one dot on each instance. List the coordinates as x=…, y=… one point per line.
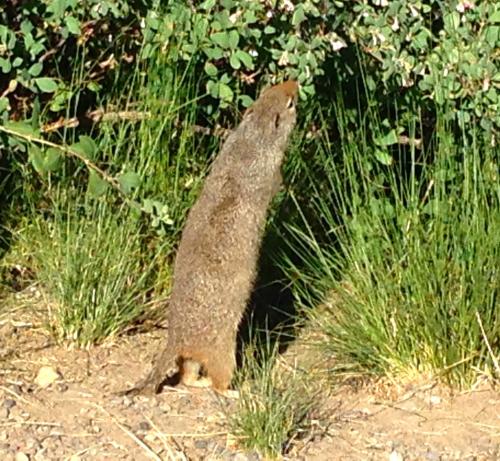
x=77, y=416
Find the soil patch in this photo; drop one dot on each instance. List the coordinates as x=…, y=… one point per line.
x=78, y=416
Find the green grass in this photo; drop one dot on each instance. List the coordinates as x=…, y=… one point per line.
x=99, y=261
x=405, y=257
x=92, y=271
x=275, y=403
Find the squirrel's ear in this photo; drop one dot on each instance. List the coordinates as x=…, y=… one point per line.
x=291, y=102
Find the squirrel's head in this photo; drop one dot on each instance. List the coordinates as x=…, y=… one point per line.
x=273, y=115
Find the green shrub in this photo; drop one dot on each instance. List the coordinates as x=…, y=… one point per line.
x=43, y=43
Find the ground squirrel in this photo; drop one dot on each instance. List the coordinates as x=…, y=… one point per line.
x=215, y=266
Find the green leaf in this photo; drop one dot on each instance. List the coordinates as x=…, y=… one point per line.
x=492, y=35
x=225, y=92
x=26, y=27
x=4, y=104
x=129, y=181
x=246, y=101
x=46, y=84
x=214, y=53
x=298, y=15
x=5, y=65
x=36, y=158
x=94, y=87
x=85, y=146
x=35, y=69
x=249, y=17
x=53, y=159
x=233, y=39
x=23, y=128
x=221, y=39
x=207, y=5
x=73, y=25
x=383, y=157
x=495, y=17
x=388, y=139
x=210, y=69
x=96, y=186
x=17, y=62
x=245, y=58
x=234, y=61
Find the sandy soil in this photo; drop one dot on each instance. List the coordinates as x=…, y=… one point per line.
x=78, y=417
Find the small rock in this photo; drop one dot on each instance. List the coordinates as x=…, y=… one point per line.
x=201, y=444
x=46, y=376
x=144, y=426
x=40, y=455
x=7, y=330
x=16, y=388
x=4, y=413
x=240, y=457
x=395, y=456
x=127, y=401
x=20, y=456
x=434, y=400
x=253, y=456
x=432, y=455
x=62, y=387
x=9, y=403
x=32, y=443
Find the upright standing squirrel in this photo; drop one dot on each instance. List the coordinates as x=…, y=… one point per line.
x=217, y=258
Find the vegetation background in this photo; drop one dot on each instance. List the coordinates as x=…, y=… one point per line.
x=112, y=110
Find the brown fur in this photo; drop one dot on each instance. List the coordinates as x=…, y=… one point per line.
x=216, y=262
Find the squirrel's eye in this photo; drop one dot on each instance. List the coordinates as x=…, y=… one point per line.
x=291, y=103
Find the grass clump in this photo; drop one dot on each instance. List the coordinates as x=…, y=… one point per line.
x=405, y=255
x=275, y=403
x=91, y=268
x=97, y=256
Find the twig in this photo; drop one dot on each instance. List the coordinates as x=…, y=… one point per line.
x=199, y=434
x=72, y=153
x=16, y=395
x=31, y=423
x=149, y=451
x=162, y=437
x=490, y=350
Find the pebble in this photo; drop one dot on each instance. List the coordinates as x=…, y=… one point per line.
x=144, y=426
x=46, y=376
x=40, y=455
x=201, y=444
x=62, y=387
x=4, y=413
x=16, y=388
x=9, y=403
x=32, y=443
x=20, y=456
x=432, y=456
x=251, y=456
